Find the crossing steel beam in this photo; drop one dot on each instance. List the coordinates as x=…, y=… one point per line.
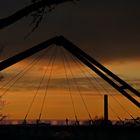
x=21, y=56
x=101, y=74
x=100, y=66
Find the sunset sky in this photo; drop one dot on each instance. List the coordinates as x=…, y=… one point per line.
x=109, y=31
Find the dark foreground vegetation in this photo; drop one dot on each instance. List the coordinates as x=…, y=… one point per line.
x=84, y=132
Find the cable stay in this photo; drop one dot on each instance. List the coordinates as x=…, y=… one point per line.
x=18, y=76
x=79, y=91
x=39, y=86
x=117, y=83
x=108, y=92
x=89, y=79
x=85, y=58
x=78, y=52
x=100, y=70
x=47, y=85
x=103, y=76
x=77, y=62
x=70, y=92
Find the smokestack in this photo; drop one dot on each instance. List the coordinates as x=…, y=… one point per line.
x=106, y=108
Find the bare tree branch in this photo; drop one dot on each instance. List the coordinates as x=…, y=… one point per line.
x=4, y=22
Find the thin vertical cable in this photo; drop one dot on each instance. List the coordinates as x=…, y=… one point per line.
x=70, y=93
x=46, y=90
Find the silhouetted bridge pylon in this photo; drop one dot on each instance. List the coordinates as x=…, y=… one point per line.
x=103, y=72
x=120, y=85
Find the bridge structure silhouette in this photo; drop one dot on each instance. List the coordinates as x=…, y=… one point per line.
x=83, y=59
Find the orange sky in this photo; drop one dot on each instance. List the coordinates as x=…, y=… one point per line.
x=58, y=104
x=109, y=31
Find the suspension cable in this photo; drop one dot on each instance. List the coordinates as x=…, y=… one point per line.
x=70, y=92
x=16, y=75
x=21, y=74
x=109, y=93
x=84, y=74
x=46, y=90
x=39, y=86
x=79, y=91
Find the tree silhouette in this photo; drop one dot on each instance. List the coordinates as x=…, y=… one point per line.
x=36, y=8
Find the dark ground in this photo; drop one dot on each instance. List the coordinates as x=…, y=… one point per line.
x=44, y=132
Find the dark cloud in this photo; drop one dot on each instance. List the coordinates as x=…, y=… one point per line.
x=107, y=30
x=87, y=85
x=61, y=84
